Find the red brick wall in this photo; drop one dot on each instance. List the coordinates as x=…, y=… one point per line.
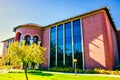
x=5, y=47
x=114, y=60
x=98, y=52
x=118, y=42
x=115, y=48
x=45, y=43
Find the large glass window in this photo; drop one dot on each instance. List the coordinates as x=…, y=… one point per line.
x=28, y=38
x=64, y=43
x=68, y=45
x=60, y=45
x=77, y=43
x=35, y=39
x=52, y=46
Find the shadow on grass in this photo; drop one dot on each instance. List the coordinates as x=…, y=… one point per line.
x=33, y=72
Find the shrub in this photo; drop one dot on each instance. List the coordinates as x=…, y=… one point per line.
x=100, y=71
x=90, y=71
x=65, y=69
x=5, y=67
x=60, y=69
x=103, y=71
x=117, y=68
x=93, y=71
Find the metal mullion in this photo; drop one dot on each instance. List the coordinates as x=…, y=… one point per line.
x=72, y=44
x=81, y=28
x=49, y=49
x=56, y=49
x=63, y=44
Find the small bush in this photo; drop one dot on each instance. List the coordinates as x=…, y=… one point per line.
x=5, y=67
x=100, y=71
x=103, y=71
x=66, y=69
x=60, y=69
x=117, y=68
x=90, y=71
x=93, y=71
x=80, y=71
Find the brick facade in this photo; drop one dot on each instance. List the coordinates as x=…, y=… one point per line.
x=100, y=46
x=46, y=45
x=99, y=41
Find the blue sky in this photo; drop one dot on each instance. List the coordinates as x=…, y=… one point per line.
x=44, y=12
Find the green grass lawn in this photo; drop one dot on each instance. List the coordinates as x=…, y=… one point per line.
x=44, y=75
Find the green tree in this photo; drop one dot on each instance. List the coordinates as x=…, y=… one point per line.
x=18, y=54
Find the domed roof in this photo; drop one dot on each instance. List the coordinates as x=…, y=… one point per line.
x=29, y=25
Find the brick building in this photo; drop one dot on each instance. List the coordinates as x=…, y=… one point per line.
x=90, y=38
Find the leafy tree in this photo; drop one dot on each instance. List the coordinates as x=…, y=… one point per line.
x=18, y=54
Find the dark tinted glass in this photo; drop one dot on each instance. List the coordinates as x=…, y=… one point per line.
x=52, y=46
x=60, y=45
x=35, y=39
x=28, y=38
x=20, y=38
x=77, y=43
x=68, y=45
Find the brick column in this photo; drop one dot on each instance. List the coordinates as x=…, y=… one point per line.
x=31, y=42
x=39, y=42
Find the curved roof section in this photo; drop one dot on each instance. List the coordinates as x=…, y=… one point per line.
x=28, y=25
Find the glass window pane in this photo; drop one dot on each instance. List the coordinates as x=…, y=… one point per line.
x=20, y=38
x=28, y=38
x=77, y=43
x=68, y=45
x=60, y=45
x=52, y=46
x=35, y=39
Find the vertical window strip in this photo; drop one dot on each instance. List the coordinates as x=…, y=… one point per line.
x=72, y=43
x=68, y=45
x=77, y=43
x=53, y=47
x=60, y=45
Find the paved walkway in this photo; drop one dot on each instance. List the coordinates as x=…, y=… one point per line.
x=3, y=71
x=78, y=74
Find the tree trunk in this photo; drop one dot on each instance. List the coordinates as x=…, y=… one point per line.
x=25, y=69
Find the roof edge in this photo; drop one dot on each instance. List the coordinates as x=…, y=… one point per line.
x=106, y=8
x=8, y=39
x=28, y=24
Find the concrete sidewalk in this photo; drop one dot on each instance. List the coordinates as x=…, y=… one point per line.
x=84, y=74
